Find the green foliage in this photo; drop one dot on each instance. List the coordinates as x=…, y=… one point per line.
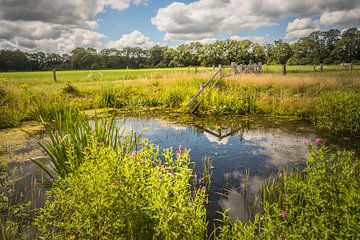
x=338, y=112
x=71, y=134
x=70, y=89
x=320, y=202
x=49, y=110
x=9, y=115
x=108, y=98
x=126, y=196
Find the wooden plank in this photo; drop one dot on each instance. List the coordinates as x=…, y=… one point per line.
x=202, y=87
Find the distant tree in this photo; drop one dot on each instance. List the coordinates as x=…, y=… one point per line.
x=347, y=49
x=282, y=51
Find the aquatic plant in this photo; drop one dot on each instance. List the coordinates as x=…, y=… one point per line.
x=70, y=134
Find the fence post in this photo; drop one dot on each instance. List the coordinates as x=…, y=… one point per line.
x=260, y=67
x=351, y=66
x=321, y=67
x=221, y=73
x=284, y=69
x=54, y=75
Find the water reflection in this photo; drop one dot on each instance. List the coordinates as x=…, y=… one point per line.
x=260, y=147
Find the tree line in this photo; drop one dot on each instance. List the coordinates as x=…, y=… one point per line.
x=327, y=47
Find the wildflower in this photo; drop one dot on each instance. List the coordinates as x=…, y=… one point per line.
x=171, y=174
x=306, y=143
x=180, y=146
x=178, y=152
x=283, y=214
x=285, y=196
x=133, y=153
x=190, y=170
x=318, y=141
x=203, y=188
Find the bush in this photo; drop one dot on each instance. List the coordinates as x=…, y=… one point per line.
x=70, y=89
x=9, y=117
x=338, y=112
x=321, y=202
x=137, y=196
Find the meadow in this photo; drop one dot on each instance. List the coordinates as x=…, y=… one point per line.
x=105, y=184
x=302, y=94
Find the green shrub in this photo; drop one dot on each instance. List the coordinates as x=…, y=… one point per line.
x=338, y=112
x=108, y=98
x=70, y=89
x=135, y=196
x=320, y=202
x=9, y=117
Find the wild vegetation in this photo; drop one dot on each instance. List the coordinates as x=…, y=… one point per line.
x=329, y=100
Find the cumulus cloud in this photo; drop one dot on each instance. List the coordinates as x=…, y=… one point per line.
x=205, y=18
x=301, y=27
x=341, y=17
x=257, y=39
x=204, y=41
x=133, y=39
x=53, y=26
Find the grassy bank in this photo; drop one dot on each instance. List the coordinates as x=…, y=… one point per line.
x=330, y=100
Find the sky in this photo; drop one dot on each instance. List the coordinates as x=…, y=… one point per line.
x=61, y=25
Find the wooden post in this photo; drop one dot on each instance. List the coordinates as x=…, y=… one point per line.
x=314, y=68
x=213, y=67
x=351, y=66
x=321, y=67
x=260, y=67
x=221, y=73
x=54, y=75
x=233, y=68
x=241, y=68
x=196, y=70
x=284, y=69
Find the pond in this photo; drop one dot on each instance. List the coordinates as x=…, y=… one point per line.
x=236, y=146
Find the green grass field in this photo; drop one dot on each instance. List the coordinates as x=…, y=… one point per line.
x=46, y=77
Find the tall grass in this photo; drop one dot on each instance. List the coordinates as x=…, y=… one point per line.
x=71, y=132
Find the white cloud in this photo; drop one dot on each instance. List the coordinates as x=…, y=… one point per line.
x=133, y=39
x=257, y=39
x=301, y=27
x=54, y=26
x=206, y=18
x=204, y=41
x=341, y=17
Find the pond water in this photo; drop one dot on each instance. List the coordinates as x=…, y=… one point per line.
x=261, y=147
x=235, y=145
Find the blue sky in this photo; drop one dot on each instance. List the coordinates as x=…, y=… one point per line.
x=61, y=25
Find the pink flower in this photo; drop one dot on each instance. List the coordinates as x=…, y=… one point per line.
x=283, y=214
x=178, y=152
x=180, y=146
x=203, y=188
x=318, y=141
x=306, y=143
x=133, y=153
